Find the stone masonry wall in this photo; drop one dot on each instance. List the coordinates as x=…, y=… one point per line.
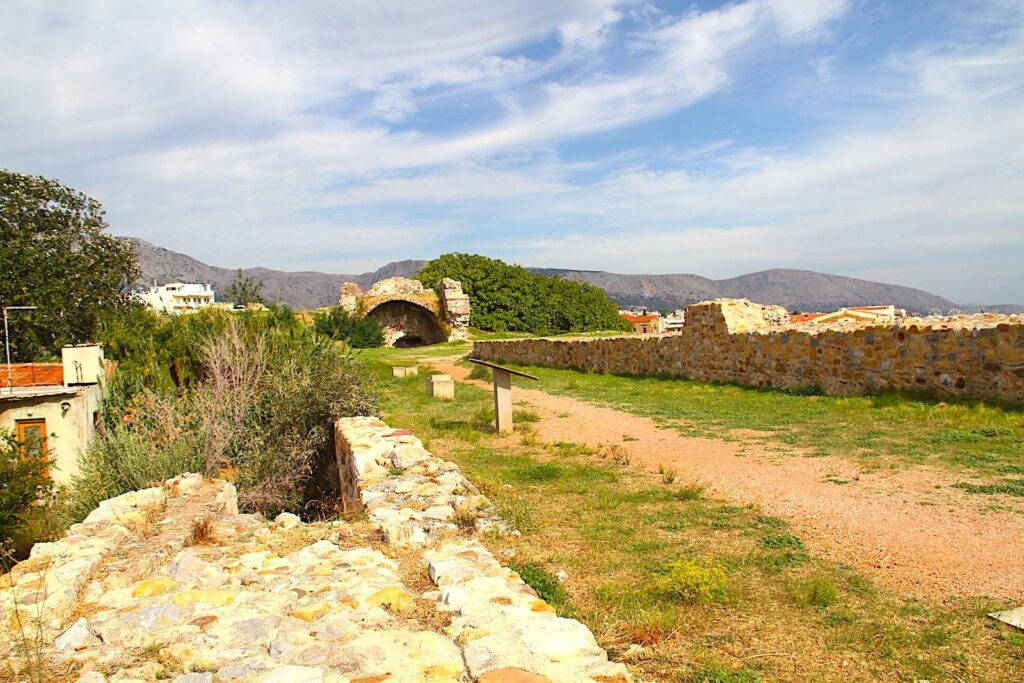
x=171, y=583
x=729, y=341
x=505, y=632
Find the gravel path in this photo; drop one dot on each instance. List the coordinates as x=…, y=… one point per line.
x=907, y=528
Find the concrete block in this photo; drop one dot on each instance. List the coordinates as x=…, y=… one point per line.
x=405, y=372
x=441, y=386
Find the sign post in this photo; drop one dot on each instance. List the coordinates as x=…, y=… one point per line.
x=502, y=393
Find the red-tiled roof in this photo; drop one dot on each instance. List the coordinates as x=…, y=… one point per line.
x=35, y=374
x=639, y=318
x=804, y=317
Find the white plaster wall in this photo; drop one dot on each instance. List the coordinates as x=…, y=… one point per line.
x=67, y=434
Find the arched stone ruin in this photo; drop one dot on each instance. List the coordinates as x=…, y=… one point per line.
x=410, y=314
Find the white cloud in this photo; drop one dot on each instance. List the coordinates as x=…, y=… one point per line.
x=331, y=133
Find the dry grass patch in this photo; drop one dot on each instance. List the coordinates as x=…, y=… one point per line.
x=685, y=587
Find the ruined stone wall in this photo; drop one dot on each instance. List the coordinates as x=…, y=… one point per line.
x=172, y=583
x=728, y=341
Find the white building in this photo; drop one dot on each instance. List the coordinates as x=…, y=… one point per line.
x=178, y=297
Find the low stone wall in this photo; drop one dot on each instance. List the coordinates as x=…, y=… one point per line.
x=505, y=632
x=729, y=341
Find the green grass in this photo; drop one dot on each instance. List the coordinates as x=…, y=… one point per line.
x=713, y=591
x=887, y=431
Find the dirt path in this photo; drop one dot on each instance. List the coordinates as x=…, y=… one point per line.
x=908, y=528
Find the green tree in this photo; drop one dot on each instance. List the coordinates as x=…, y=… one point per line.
x=54, y=254
x=361, y=332
x=23, y=482
x=510, y=298
x=244, y=290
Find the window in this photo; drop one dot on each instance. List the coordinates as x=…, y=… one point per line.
x=31, y=435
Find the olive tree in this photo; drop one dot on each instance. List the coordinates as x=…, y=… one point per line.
x=56, y=255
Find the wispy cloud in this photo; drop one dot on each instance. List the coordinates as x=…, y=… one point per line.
x=588, y=133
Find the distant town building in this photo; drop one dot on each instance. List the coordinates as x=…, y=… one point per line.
x=674, y=321
x=644, y=324
x=178, y=297
x=53, y=408
x=859, y=314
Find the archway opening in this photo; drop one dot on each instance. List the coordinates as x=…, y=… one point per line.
x=407, y=324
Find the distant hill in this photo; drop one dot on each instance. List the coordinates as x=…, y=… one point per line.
x=797, y=290
x=305, y=289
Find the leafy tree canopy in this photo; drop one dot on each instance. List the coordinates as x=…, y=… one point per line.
x=244, y=290
x=360, y=332
x=509, y=298
x=54, y=254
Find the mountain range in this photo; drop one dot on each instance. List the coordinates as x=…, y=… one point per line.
x=796, y=290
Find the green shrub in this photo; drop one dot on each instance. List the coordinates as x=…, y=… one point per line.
x=260, y=411
x=693, y=582
x=159, y=442
x=23, y=482
x=361, y=332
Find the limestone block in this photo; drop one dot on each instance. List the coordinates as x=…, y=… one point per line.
x=441, y=386
x=287, y=520
x=405, y=371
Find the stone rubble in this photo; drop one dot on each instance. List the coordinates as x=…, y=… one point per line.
x=131, y=594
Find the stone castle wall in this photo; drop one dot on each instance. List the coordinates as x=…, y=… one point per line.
x=729, y=341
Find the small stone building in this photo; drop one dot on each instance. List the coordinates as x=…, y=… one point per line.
x=53, y=408
x=410, y=314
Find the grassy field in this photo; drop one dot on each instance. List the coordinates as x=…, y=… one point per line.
x=682, y=586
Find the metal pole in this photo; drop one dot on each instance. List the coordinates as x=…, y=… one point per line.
x=7, y=342
x=7, y=346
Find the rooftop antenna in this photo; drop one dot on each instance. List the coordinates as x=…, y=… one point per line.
x=7, y=342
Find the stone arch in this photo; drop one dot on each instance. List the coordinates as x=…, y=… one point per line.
x=407, y=323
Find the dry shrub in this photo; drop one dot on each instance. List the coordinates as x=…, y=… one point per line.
x=201, y=532
x=264, y=409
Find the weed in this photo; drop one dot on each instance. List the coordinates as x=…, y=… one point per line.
x=529, y=439
x=693, y=582
x=466, y=521
x=782, y=541
x=27, y=627
x=571, y=448
x=548, y=588
x=818, y=591
x=395, y=471
x=719, y=674
x=691, y=491
x=546, y=471
x=651, y=627
x=668, y=476
x=518, y=513
x=617, y=453
x=201, y=532
x=480, y=372
x=1010, y=487
x=525, y=416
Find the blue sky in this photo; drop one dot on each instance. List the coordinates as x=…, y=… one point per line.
x=882, y=140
